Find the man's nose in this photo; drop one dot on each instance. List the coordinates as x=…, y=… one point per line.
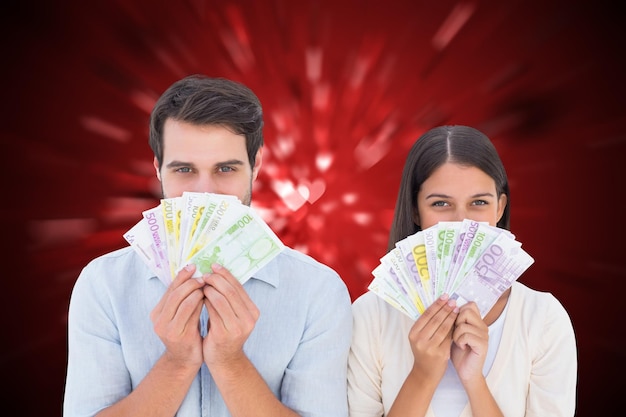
x=205, y=184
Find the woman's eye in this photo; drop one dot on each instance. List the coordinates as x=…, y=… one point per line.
x=440, y=204
x=480, y=203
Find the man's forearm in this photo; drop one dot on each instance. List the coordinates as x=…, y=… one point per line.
x=160, y=393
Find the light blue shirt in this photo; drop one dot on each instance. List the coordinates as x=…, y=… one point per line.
x=299, y=345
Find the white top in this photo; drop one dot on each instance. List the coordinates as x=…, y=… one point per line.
x=451, y=400
x=534, y=370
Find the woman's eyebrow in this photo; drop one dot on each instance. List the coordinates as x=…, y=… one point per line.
x=477, y=195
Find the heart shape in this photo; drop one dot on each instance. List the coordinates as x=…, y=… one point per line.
x=311, y=191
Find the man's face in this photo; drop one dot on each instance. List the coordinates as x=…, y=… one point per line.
x=205, y=159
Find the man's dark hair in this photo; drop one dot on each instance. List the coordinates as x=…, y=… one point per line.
x=202, y=100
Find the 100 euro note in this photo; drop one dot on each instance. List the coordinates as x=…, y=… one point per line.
x=244, y=245
x=203, y=228
x=470, y=247
x=218, y=212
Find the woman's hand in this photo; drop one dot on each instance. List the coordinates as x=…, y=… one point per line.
x=431, y=339
x=471, y=340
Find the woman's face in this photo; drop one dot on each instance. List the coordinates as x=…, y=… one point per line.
x=455, y=192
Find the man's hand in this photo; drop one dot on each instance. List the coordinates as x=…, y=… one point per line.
x=232, y=317
x=176, y=317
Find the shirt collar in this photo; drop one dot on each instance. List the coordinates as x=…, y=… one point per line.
x=269, y=273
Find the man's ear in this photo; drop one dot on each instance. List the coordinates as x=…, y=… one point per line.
x=156, y=168
x=258, y=161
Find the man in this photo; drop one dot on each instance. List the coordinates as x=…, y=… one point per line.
x=275, y=346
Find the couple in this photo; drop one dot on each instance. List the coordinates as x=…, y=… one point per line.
x=288, y=342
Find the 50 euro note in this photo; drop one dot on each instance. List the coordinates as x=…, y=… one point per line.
x=243, y=245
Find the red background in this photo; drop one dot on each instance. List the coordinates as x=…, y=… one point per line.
x=347, y=86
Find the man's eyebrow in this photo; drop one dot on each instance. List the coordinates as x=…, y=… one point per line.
x=230, y=162
x=181, y=164
x=178, y=164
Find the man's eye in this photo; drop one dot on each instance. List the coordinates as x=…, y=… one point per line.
x=225, y=169
x=184, y=170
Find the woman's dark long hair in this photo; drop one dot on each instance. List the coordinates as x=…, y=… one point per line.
x=458, y=144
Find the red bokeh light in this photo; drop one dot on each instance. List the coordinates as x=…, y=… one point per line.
x=347, y=86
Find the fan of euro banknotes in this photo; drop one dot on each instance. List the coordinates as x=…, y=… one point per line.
x=468, y=260
x=203, y=228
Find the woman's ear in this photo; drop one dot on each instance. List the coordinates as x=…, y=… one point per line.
x=502, y=202
x=416, y=218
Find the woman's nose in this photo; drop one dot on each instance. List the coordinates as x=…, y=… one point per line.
x=460, y=214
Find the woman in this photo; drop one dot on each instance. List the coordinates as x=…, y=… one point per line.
x=518, y=360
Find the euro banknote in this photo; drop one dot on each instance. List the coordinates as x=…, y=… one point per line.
x=468, y=260
x=203, y=229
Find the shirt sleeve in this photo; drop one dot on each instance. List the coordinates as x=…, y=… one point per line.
x=96, y=373
x=315, y=382
x=364, y=369
x=552, y=389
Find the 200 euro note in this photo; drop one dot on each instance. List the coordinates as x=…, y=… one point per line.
x=413, y=252
x=171, y=218
x=192, y=208
x=403, y=276
x=216, y=216
x=391, y=293
x=203, y=228
x=396, y=267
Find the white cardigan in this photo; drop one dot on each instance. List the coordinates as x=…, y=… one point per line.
x=534, y=372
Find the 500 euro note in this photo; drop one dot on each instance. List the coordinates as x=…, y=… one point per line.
x=474, y=262
x=203, y=228
x=140, y=239
x=502, y=262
